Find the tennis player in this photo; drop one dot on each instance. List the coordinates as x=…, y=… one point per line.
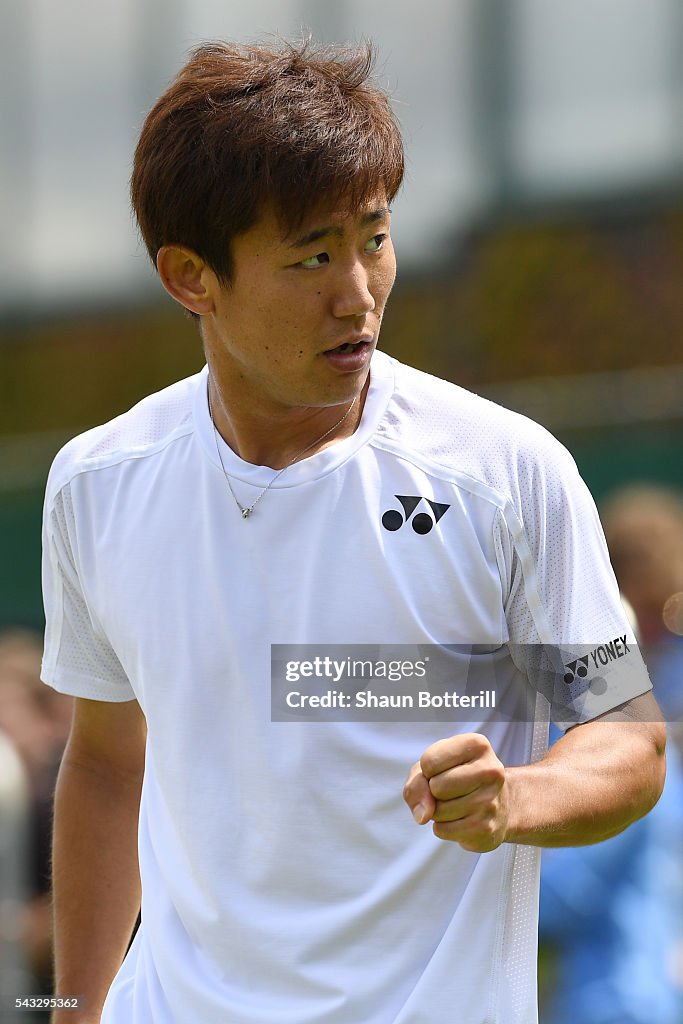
x=305, y=489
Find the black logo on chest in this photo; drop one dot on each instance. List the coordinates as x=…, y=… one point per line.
x=421, y=522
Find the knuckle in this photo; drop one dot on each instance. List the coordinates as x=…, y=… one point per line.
x=479, y=743
x=440, y=755
x=413, y=774
x=409, y=790
x=428, y=763
x=438, y=787
x=442, y=830
x=493, y=775
x=489, y=826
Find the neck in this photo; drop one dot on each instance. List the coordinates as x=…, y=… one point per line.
x=278, y=441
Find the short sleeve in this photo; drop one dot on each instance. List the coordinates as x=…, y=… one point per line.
x=78, y=658
x=567, y=626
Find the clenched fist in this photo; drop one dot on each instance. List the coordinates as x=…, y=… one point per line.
x=460, y=785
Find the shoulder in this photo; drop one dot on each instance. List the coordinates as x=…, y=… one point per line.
x=148, y=428
x=471, y=438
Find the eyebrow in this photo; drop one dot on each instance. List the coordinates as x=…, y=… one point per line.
x=336, y=231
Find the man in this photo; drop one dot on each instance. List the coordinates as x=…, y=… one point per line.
x=273, y=499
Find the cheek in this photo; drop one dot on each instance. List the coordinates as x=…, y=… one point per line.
x=387, y=276
x=383, y=287
x=284, y=309
x=283, y=329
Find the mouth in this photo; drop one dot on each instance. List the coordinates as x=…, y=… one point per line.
x=347, y=347
x=350, y=356
x=350, y=346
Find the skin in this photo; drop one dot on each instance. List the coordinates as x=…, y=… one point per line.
x=290, y=300
x=96, y=882
x=594, y=782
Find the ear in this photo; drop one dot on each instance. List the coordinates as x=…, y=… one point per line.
x=186, y=278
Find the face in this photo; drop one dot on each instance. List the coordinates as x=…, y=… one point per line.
x=301, y=318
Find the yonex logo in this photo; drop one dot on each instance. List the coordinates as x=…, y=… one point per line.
x=601, y=656
x=576, y=668
x=422, y=523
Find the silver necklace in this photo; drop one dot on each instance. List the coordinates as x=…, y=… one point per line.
x=246, y=510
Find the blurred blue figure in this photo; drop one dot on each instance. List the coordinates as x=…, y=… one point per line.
x=665, y=663
x=614, y=912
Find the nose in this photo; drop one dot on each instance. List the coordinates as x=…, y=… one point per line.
x=352, y=295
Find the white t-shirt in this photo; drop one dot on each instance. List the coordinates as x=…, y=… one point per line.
x=284, y=881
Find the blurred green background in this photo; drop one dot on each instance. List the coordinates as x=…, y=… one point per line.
x=573, y=317
x=539, y=232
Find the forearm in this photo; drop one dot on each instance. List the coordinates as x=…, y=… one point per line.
x=591, y=785
x=96, y=881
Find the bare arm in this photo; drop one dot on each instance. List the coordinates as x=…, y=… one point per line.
x=596, y=780
x=591, y=784
x=95, y=868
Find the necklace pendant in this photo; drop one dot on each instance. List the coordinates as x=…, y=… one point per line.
x=246, y=512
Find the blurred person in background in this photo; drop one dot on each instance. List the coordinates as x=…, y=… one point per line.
x=643, y=525
x=14, y=813
x=36, y=721
x=611, y=915
x=611, y=921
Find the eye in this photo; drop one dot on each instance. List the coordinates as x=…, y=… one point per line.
x=318, y=260
x=376, y=243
